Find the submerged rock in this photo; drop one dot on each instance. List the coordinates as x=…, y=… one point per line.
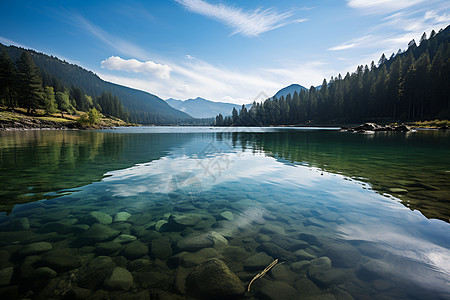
x=321, y=272
x=120, y=279
x=57, y=227
x=79, y=293
x=343, y=254
x=161, y=248
x=277, y=290
x=153, y=279
x=95, y=272
x=135, y=250
x=124, y=238
x=98, y=233
x=55, y=215
x=374, y=269
x=184, y=220
x=98, y=217
x=138, y=264
x=303, y=255
x=6, y=275
x=307, y=288
x=140, y=219
x=194, y=243
x=257, y=262
x=236, y=254
x=35, y=248
x=300, y=265
x=44, y=273
x=60, y=260
x=276, y=251
x=227, y=215
x=273, y=229
x=280, y=273
x=288, y=243
x=19, y=224
x=193, y=259
x=107, y=248
x=161, y=225
x=121, y=216
x=212, y=279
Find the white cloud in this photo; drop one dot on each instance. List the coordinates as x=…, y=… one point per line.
x=251, y=23
x=342, y=47
x=351, y=44
x=194, y=78
x=133, y=65
x=382, y=6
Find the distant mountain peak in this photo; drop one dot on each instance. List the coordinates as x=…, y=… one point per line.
x=203, y=108
x=290, y=89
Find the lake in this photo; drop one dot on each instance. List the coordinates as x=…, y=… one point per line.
x=197, y=212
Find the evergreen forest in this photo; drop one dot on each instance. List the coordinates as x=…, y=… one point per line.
x=410, y=85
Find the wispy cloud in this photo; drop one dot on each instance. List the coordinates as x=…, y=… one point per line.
x=247, y=23
x=417, y=22
x=397, y=29
x=114, y=42
x=133, y=65
x=351, y=44
x=382, y=6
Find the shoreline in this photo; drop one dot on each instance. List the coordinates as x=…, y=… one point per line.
x=19, y=120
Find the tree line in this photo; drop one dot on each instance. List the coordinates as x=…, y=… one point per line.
x=411, y=85
x=23, y=84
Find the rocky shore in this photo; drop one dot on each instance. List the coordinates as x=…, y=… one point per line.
x=36, y=124
x=375, y=127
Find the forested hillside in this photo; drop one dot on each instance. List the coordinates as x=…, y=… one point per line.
x=410, y=85
x=140, y=107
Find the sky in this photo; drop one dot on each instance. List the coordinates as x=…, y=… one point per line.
x=228, y=51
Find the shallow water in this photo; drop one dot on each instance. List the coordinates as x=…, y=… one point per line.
x=322, y=202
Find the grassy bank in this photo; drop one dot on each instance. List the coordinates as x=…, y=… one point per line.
x=19, y=119
x=430, y=124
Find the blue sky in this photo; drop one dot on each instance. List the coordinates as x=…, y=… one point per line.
x=227, y=51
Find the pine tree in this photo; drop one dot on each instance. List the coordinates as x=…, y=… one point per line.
x=49, y=100
x=219, y=120
x=382, y=60
x=235, y=116
x=31, y=94
x=7, y=78
x=423, y=38
x=62, y=99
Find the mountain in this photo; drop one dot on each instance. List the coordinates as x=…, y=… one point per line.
x=202, y=108
x=289, y=90
x=143, y=107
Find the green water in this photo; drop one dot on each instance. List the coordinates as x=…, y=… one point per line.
x=348, y=215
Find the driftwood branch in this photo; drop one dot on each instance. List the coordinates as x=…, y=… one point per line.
x=259, y=275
